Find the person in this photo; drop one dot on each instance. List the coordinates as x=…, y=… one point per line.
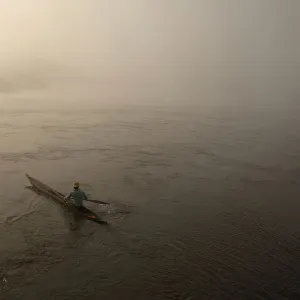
x=77, y=196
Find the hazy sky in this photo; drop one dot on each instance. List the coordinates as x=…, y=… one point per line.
x=155, y=47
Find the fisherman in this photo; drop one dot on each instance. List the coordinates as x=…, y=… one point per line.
x=77, y=196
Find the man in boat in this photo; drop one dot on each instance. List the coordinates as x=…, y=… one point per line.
x=77, y=196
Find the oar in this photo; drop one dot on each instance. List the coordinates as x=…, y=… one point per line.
x=94, y=201
x=97, y=201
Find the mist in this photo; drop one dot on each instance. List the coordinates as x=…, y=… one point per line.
x=93, y=53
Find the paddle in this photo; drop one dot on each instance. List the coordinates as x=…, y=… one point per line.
x=97, y=201
x=94, y=201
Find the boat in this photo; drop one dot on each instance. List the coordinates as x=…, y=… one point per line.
x=46, y=191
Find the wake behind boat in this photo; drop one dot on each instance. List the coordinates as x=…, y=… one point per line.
x=48, y=192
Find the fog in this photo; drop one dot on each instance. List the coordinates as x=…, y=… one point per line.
x=58, y=53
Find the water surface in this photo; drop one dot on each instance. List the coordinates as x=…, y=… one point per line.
x=204, y=203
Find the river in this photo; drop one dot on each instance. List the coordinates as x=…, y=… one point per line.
x=204, y=203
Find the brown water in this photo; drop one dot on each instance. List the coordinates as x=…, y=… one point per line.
x=204, y=203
